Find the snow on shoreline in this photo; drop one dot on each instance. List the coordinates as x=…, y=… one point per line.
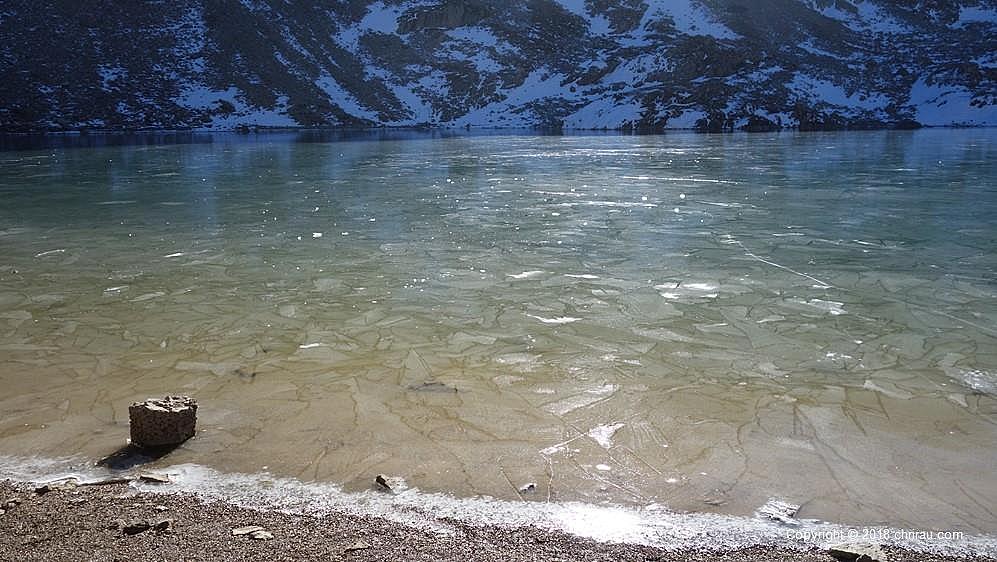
x=652, y=525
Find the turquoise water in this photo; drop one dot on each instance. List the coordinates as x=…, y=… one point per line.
x=700, y=321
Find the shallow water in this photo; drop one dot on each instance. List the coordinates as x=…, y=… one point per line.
x=700, y=322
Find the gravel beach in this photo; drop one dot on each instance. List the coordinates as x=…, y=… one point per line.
x=96, y=523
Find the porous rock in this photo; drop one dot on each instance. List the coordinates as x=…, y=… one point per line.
x=162, y=422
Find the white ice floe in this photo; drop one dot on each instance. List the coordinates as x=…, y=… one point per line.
x=833, y=308
x=586, y=397
x=603, y=434
x=50, y=252
x=148, y=296
x=896, y=392
x=678, y=291
x=557, y=320
x=525, y=274
x=980, y=380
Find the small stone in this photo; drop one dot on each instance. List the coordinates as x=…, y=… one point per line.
x=528, y=488
x=162, y=525
x=778, y=510
x=239, y=531
x=857, y=552
x=359, y=545
x=160, y=422
x=161, y=508
x=261, y=535
x=136, y=527
x=716, y=497
x=156, y=478
x=60, y=486
x=382, y=483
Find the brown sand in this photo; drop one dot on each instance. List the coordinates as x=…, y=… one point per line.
x=81, y=524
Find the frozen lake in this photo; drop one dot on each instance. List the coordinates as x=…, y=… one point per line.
x=703, y=322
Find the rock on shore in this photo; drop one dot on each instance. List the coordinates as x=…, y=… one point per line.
x=162, y=422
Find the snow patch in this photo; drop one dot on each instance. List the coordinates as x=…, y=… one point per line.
x=975, y=14
x=507, y=112
x=939, y=105
x=109, y=74
x=344, y=99
x=868, y=18
x=829, y=92
x=598, y=24
x=690, y=17
x=686, y=120
x=604, y=113
x=205, y=98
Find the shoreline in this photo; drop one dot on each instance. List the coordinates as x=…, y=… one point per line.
x=191, y=510
x=86, y=523
x=565, y=131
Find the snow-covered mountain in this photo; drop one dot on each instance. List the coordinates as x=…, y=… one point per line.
x=640, y=64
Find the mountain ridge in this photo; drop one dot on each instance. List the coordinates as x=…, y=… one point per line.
x=644, y=65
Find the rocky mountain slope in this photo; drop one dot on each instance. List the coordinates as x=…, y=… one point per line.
x=633, y=64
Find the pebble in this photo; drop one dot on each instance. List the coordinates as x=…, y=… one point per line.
x=136, y=527
x=60, y=486
x=778, y=510
x=141, y=526
x=156, y=478
x=857, y=552
x=359, y=545
x=382, y=483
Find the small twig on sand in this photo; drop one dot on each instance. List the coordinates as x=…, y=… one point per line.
x=550, y=478
x=506, y=476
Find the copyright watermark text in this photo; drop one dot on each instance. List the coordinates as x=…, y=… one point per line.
x=881, y=535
